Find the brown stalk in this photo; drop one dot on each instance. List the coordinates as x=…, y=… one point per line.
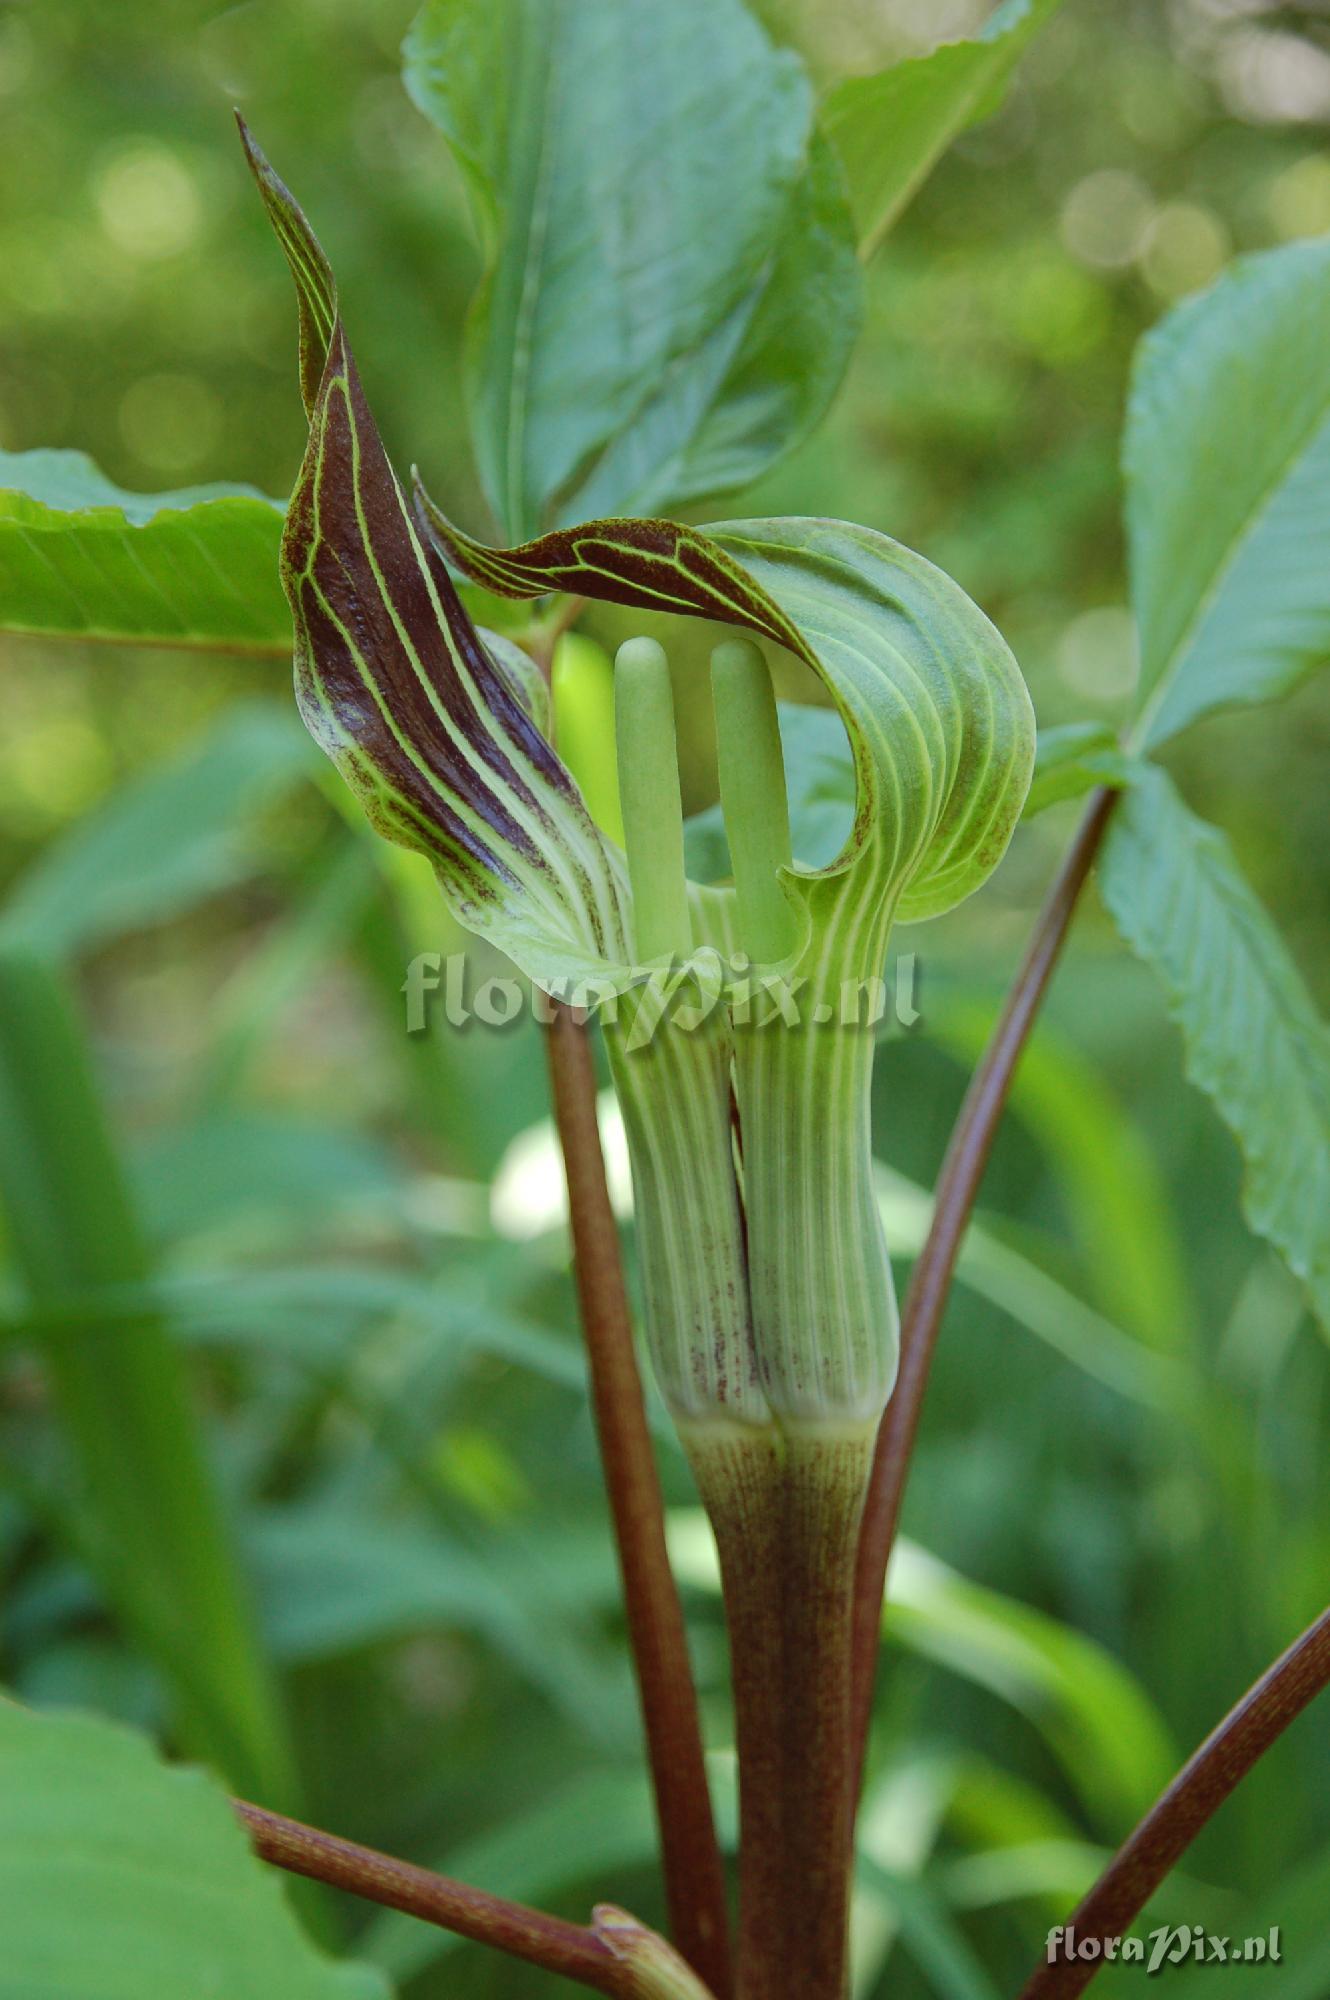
x=786, y=1513
x=1200, y=1788
x=824, y=1484
x=693, y=1870
x=574, y=1950
x=930, y=1283
x=740, y=1480
x=542, y=641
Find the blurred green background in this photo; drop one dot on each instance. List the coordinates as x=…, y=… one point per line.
x=360, y=1230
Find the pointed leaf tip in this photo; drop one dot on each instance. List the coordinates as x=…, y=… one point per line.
x=433, y=725
x=316, y=287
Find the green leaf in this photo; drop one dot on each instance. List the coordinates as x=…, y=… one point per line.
x=1108, y=1178
x=901, y=1818
x=931, y=1934
x=165, y=840
x=158, y=1535
x=1295, y=1906
x=1054, y=1872
x=1036, y=1301
x=81, y=559
x=1105, y=1730
x=315, y=1314
x=279, y=1177
x=1072, y=759
x=319, y=1316
x=1254, y=1041
x=325, y=916
x=335, y=1580
x=1227, y=466
x=890, y=129
x=670, y=293
x=123, y=1879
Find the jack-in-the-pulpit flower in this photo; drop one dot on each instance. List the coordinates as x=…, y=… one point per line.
x=743, y=1075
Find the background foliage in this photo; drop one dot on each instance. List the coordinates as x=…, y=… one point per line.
x=1119, y=1511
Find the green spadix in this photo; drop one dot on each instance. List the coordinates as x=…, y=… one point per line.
x=649, y=795
x=752, y=796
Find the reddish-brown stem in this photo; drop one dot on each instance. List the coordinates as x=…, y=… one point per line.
x=824, y=1496
x=693, y=1870
x=571, y=1949
x=930, y=1283
x=786, y=1511
x=740, y=1478
x=1200, y=1788
x=542, y=640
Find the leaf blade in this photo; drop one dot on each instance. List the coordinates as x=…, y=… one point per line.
x=619, y=316
x=891, y=128
x=1226, y=458
x=170, y=1900
x=1071, y=759
x=1100, y=1722
x=162, y=1545
x=163, y=842
x=81, y=558
x=1253, y=1039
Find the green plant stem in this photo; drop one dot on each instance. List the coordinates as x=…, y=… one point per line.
x=541, y=641
x=694, y=1874
x=616, y=1955
x=930, y=1283
x=1200, y=1788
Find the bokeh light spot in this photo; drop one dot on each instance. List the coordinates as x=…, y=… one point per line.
x=148, y=202
x=59, y=763
x=1057, y=311
x=1105, y=217
x=1298, y=201
x=1185, y=247
x=1271, y=77
x=1098, y=656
